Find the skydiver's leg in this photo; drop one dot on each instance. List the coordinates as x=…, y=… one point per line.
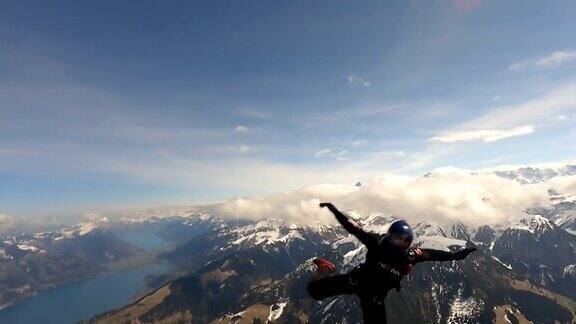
x=373, y=310
x=330, y=286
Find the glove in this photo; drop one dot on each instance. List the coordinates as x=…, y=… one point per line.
x=462, y=254
x=325, y=204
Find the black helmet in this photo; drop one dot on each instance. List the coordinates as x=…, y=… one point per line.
x=401, y=230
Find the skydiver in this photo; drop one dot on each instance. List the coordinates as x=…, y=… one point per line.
x=389, y=258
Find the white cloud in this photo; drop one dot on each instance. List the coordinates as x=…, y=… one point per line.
x=95, y=218
x=386, y=155
x=340, y=155
x=357, y=80
x=448, y=194
x=553, y=59
x=322, y=152
x=244, y=148
x=241, y=129
x=565, y=184
x=513, y=120
x=485, y=135
x=558, y=100
x=5, y=222
x=359, y=142
x=254, y=113
x=561, y=117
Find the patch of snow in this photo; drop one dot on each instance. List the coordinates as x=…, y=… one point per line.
x=569, y=270
x=534, y=224
x=291, y=236
x=464, y=310
x=240, y=240
x=327, y=307
x=4, y=255
x=276, y=311
x=26, y=247
x=344, y=240
x=354, y=257
x=78, y=230
x=502, y=263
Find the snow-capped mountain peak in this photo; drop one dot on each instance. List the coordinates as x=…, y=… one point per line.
x=268, y=232
x=535, y=224
x=534, y=174
x=78, y=230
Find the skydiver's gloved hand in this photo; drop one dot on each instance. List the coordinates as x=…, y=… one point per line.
x=462, y=254
x=326, y=204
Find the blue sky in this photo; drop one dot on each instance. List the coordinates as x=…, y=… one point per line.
x=115, y=104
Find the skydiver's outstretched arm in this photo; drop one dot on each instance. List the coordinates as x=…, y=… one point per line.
x=422, y=255
x=366, y=238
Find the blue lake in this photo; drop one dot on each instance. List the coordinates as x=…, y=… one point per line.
x=81, y=300
x=142, y=237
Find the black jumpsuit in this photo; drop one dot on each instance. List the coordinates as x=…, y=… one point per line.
x=384, y=268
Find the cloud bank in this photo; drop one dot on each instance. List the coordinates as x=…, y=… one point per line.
x=445, y=195
x=5, y=222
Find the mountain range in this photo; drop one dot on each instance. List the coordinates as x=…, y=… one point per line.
x=245, y=271
x=524, y=270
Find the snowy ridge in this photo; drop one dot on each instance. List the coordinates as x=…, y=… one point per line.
x=464, y=310
x=26, y=247
x=276, y=310
x=201, y=218
x=532, y=174
x=77, y=230
x=455, y=230
x=534, y=224
x=570, y=270
x=268, y=232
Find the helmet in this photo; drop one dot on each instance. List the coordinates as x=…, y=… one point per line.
x=400, y=234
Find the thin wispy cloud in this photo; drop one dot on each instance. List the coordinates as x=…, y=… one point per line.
x=560, y=99
x=357, y=80
x=322, y=152
x=254, y=113
x=244, y=148
x=485, y=135
x=552, y=60
x=241, y=129
x=512, y=120
x=342, y=155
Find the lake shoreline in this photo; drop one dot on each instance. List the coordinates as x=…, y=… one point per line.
x=89, y=295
